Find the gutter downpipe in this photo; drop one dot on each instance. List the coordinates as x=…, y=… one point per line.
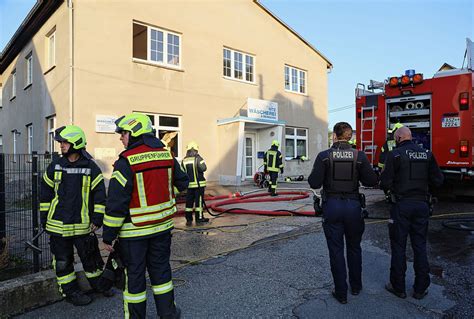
x=71, y=61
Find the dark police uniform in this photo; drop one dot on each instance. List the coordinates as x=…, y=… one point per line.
x=408, y=173
x=339, y=170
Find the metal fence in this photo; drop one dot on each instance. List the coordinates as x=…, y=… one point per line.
x=20, y=177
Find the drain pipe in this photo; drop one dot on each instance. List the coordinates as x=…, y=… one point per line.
x=71, y=60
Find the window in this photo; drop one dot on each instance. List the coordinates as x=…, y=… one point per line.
x=51, y=48
x=14, y=134
x=296, y=142
x=29, y=136
x=238, y=65
x=295, y=80
x=1, y=94
x=13, y=92
x=156, y=45
x=29, y=69
x=51, y=124
x=168, y=130
x=1, y=143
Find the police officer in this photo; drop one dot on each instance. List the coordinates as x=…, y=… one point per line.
x=72, y=204
x=140, y=206
x=193, y=164
x=273, y=163
x=408, y=173
x=388, y=145
x=338, y=170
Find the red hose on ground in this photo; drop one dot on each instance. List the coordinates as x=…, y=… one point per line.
x=237, y=198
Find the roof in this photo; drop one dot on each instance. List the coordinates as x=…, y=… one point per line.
x=35, y=19
x=257, y=2
x=446, y=67
x=43, y=9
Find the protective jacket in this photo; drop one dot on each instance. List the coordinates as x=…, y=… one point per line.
x=195, y=166
x=273, y=160
x=409, y=171
x=72, y=196
x=388, y=146
x=141, y=199
x=339, y=170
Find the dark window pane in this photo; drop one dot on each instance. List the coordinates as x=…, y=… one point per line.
x=139, y=41
x=152, y=119
x=169, y=121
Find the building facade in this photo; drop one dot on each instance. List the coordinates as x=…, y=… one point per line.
x=227, y=74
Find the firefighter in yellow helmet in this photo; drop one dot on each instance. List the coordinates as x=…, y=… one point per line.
x=72, y=205
x=193, y=164
x=388, y=145
x=273, y=164
x=140, y=206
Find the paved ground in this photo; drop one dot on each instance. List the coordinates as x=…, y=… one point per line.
x=279, y=268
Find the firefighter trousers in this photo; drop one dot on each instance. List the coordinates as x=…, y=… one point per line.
x=273, y=182
x=62, y=249
x=342, y=217
x=194, y=198
x=152, y=255
x=409, y=217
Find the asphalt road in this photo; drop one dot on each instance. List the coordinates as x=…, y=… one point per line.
x=279, y=268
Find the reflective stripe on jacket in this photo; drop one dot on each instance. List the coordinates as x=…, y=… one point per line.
x=72, y=196
x=195, y=167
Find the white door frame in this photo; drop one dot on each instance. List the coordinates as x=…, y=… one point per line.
x=253, y=137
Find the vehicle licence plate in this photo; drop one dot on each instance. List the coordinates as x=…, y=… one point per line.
x=451, y=122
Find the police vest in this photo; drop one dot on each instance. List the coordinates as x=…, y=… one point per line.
x=413, y=173
x=153, y=200
x=343, y=176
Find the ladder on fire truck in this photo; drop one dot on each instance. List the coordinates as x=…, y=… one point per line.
x=367, y=121
x=367, y=132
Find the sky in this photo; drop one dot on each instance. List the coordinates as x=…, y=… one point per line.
x=364, y=40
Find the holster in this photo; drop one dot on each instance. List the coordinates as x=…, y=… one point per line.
x=317, y=205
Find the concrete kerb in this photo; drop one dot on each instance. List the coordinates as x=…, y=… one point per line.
x=24, y=293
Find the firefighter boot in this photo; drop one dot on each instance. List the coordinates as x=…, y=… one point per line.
x=200, y=218
x=78, y=298
x=189, y=218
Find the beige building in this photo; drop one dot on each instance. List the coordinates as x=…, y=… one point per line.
x=227, y=74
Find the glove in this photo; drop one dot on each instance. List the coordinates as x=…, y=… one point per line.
x=281, y=170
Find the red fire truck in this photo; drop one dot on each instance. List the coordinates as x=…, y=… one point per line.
x=438, y=111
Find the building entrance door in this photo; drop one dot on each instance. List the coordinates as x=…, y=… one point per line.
x=249, y=155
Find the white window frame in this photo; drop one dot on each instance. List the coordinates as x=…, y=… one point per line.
x=244, y=65
x=51, y=48
x=29, y=137
x=50, y=142
x=13, y=91
x=295, y=137
x=165, y=47
x=14, y=148
x=178, y=129
x=29, y=69
x=299, y=89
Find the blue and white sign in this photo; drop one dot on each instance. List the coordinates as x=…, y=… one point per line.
x=262, y=109
x=105, y=123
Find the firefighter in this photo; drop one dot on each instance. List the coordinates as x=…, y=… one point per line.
x=408, y=173
x=338, y=170
x=139, y=210
x=193, y=164
x=273, y=163
x=353, y=143
x=72, y=205
x=388, y=145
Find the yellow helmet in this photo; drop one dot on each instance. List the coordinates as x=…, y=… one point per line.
x=276, y=143
x=136, y=123
x=395, y=127
x=192, y=145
